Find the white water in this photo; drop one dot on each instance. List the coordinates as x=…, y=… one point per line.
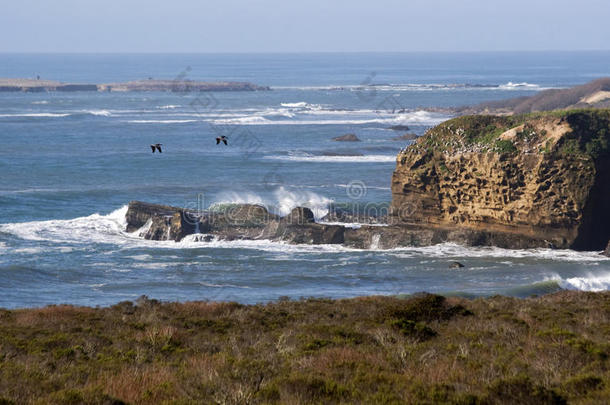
x=590, y=282
x=335, y=159
x=281, y=202
x=110, y=229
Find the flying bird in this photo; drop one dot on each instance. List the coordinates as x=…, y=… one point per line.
x=221, y=138
x=156, y=146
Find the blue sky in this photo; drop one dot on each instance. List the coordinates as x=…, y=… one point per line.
x=303, y=26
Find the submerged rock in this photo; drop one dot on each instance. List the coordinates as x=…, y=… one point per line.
x=347, y=138
x=607, y=251
x=399, y=127
x=456, y=265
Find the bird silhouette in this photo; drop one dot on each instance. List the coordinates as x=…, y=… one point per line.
x=221, y=138
x=156, y=146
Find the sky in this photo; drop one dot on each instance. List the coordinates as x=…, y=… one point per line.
x=303, y=26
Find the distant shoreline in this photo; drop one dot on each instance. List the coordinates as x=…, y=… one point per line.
x=181, y=86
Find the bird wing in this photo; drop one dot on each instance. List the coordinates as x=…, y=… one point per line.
x=159, y=148
x=225, y=141
x=153, y=148
x=217, y=141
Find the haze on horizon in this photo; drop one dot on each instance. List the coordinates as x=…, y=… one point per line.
x=312, y=26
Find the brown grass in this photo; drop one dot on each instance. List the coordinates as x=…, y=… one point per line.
x=426, y=349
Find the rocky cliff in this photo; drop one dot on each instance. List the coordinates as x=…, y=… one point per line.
x=532, y=180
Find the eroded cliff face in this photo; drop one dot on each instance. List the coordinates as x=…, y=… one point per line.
x=544, y=177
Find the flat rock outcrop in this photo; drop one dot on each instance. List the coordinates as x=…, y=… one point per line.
x=254, y=222
x=179, y=86
x=35, y=85
x=537, y=180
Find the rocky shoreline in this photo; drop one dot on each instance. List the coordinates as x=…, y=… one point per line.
x=34, y=85
x=255, y=222
x=531, y=181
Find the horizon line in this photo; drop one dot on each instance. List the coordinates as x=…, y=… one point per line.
x=290, y=52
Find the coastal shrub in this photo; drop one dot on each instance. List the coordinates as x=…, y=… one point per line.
x=312, y=389
x=521, y=390
x=505, y=146
x=423, y=348
x=583, y=384
x=418, y=330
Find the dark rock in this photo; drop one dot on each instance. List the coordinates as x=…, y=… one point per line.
x=399, y=127
x=138, y=213
x=405, y=137
x=456, y=265
x=254, y=222
x=311, y=234
x=248, y=215
x=607, y=251
x=299, y=216
x=340, y=215
x=347, y=138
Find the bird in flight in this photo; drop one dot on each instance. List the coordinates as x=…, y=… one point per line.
x=221, y=138
x=156, y=146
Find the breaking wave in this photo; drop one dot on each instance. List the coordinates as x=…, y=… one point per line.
x=160, y=121
x=415, y=117
x=591, y=282
x=102, y=113
x=369, y=88
x=281, y=201
x=94, y=228
x=35, y=115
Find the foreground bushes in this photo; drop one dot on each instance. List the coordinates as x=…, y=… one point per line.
x=424, y=349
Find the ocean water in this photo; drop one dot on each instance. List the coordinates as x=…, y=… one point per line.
x=70, y=162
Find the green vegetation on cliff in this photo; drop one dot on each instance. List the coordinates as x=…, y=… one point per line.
x=425, y=349
x=589, y=135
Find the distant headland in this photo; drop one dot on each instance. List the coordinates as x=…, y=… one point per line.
x=38, y=85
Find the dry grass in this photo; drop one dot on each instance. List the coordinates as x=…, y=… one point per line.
x=426, y=349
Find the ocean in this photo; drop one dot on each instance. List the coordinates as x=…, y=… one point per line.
x=71, y=162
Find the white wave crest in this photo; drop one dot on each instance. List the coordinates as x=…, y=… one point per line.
x=168, y=107
x=591, y=282
x=415, y=117
x=299, y=104
x=281, y=202
x=335, y=159
x=98, y=113
x=519, y=86
x=90, y=229
x=34, y=115
x=453, y=250
x=160, y=121
x=40, y=102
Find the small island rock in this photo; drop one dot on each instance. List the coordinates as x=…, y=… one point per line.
x=405, y=137
x=347, y=138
